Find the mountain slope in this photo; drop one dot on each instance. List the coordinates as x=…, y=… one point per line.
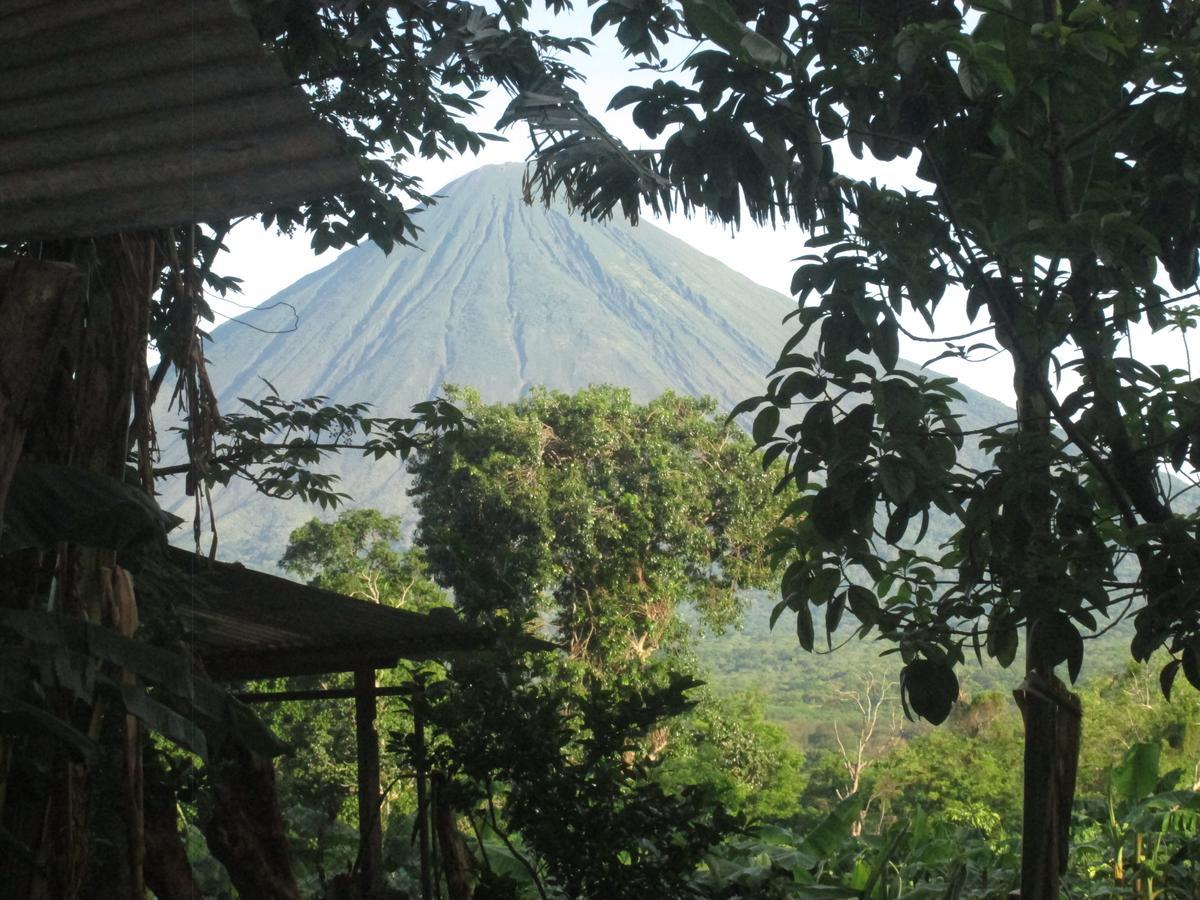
x=501, y=296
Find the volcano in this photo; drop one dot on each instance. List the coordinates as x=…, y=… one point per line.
x=499, y=296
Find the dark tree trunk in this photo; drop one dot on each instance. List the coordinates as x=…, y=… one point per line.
x=69, y=357
x=1051, y=713
x=168, y=872
x=1052, y=731
x=246, y=831
x=41, y=309
x=455, y=858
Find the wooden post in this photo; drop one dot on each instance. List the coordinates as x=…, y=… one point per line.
x=370, y=831
x=419, y=765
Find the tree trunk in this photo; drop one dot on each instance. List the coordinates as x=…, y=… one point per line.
x=168, y=872
x=455, y=858
x=1052, y=719
x=1051, y=713
x=69, y=356
x=246, y=832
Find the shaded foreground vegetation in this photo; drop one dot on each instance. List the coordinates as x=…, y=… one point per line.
x=696, y=794
x=612, y=769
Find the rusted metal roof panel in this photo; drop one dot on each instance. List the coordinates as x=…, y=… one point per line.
x=123, y=114
x=245, y=624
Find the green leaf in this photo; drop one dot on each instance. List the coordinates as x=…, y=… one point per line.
x=828, y=517
x=805, y=631
x=833, y=613
x=972, y=78
x=977, y=299
x=831, y=124
x=828, y=838
x=1056, y=640
x=929, y=689
x=766, y=423
x=1137, y=774
x=817, y=431
x=50, y=503
x=897, y=524
x=1002, y=643
x=896, y=479
x=854, y=431
x=763, y=51
x=804, y=383
x=750, y=403
x=823, y=585
x=863, y=603
x=885, y=341
x=1166, y=678
x=718, y=22
x=1191, y=663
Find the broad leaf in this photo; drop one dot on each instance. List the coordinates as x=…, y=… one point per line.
x=50, y=503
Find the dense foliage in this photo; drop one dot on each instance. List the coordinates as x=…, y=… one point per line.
x=1056, y=199
x=357, y=555
x=604, y=520
x=1075, y=118
x=607, y=515
x=942, y=806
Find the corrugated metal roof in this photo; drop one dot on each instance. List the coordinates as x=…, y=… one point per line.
x=122, y=114
x=247, y=624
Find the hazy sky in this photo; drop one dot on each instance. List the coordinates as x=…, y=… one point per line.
x=269, y=262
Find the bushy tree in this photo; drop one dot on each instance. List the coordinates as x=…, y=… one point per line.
x=566, y=768
x=726, y=742
x=605, y=515
x=601, y=519
x=357, y=554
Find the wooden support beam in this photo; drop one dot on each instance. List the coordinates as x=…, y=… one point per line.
x=318, y=694
x=370, y=830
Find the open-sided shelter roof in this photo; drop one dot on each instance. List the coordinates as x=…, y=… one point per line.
x=125, y=114
x=246, y=624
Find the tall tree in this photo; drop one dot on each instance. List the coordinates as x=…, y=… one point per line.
x=603, y=518
x=1059, y=198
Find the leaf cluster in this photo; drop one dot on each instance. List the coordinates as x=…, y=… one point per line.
x=562, y=763
x=1059, y=194
x=398, y=81
x=607, y=513
x=278, y=443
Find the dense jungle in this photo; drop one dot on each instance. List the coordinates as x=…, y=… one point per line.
x=841, y=639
